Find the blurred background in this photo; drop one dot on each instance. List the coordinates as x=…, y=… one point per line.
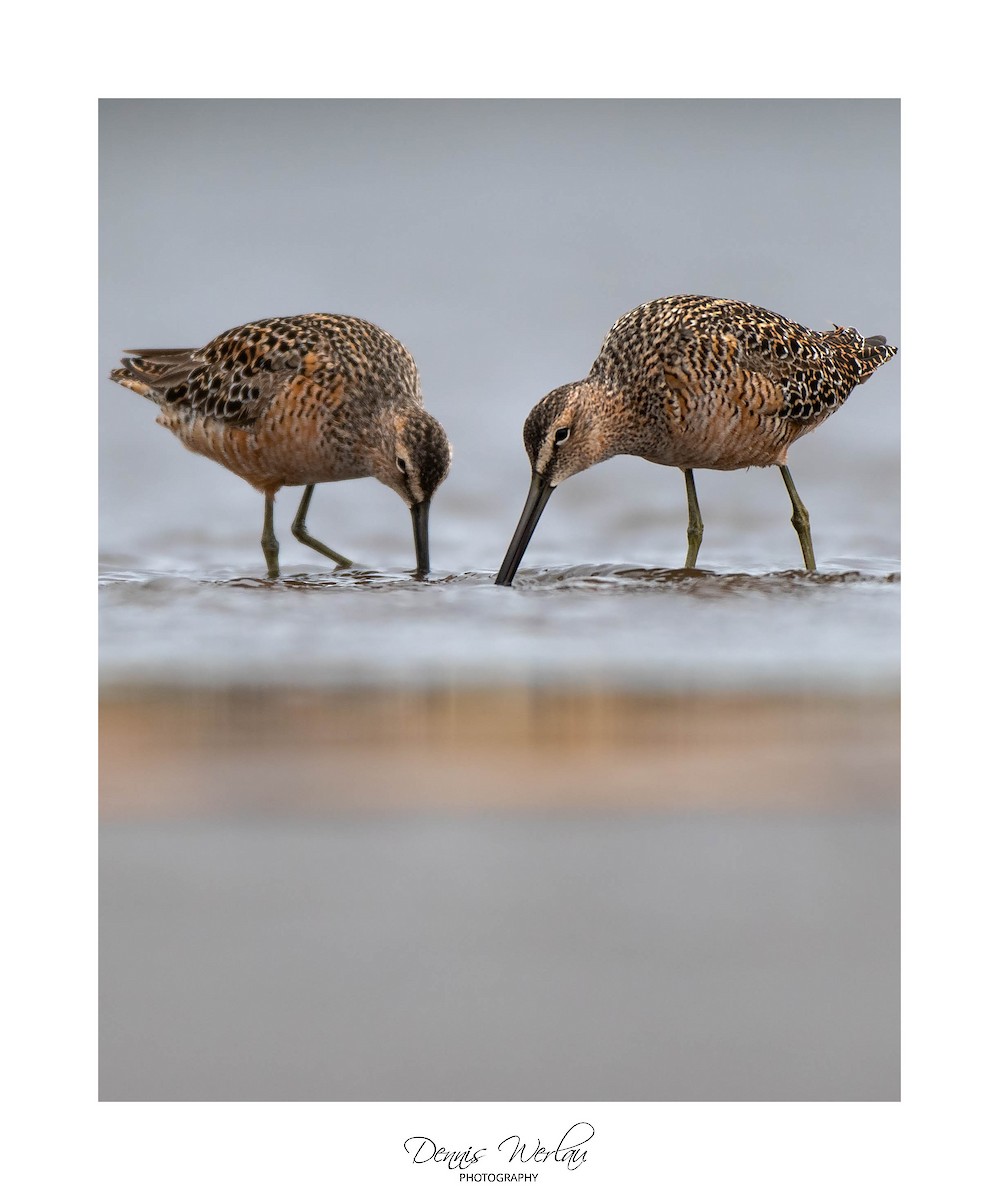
x=622, y=831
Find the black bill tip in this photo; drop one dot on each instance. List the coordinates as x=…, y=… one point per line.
x=537, y=497
x=421, y=536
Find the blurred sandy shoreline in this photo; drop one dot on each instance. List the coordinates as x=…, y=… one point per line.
x=169, y=752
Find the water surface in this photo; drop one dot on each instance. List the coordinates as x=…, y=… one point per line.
x=618, y=625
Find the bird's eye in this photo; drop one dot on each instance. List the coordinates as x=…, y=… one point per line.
x=561, y=435
x=401, y=464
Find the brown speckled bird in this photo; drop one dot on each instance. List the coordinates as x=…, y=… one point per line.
x=691, y=382
x=289, y=401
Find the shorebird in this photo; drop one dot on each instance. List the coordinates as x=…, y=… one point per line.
x=289, y=401
x=694, y=382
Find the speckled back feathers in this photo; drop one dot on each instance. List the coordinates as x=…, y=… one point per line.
x=699, y=345
x=239, y=373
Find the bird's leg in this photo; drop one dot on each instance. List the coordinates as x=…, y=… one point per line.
x=268, y=541
x=303, y=535
x=799, y=519
x=695, y=526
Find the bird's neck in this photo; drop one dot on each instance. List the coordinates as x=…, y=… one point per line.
x=630, y=426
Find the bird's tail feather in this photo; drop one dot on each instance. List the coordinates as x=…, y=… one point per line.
x=875, y=353
x=868, y=353
x=152, y=372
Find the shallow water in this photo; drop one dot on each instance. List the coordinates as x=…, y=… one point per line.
x=615, y=625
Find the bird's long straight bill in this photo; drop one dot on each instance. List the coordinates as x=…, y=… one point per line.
x=537, y=498
x=421, y=536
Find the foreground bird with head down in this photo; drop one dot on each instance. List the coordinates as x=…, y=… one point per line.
x=694, y=382
x=292, y=401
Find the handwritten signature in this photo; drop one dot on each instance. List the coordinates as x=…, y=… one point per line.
x=569, y=1152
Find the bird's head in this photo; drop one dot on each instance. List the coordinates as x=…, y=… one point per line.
x=414, y=461
x=566, y=432
x=571, y=429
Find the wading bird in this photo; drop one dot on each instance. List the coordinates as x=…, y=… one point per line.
x=694, y=382
x=292, y=401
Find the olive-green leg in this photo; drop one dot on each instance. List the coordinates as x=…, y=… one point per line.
x=695, y=526
x=303, y=535
x=268, y=541
x=799, y=519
